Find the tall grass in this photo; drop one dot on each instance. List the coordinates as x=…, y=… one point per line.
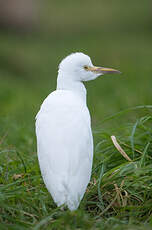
x=118, y=196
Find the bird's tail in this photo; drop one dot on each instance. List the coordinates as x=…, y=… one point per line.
x=62, y=193
x=67, y=198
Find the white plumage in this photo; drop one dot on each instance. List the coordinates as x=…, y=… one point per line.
x=63, y=130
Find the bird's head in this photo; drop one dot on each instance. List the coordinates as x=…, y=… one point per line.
x=79, y=67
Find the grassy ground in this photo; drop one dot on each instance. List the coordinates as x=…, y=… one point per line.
x=119, y=195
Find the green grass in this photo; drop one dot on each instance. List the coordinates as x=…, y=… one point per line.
x=119, y=195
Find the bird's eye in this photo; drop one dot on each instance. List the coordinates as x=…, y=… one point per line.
x=86, y=67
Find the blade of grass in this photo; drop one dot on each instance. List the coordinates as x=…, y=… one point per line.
x=142, y=161
x=125, y=111
x=132, y=137
x=44, y=221
x=19, y=155
x=99, y=186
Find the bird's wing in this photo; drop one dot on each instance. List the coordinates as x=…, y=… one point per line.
x=65, y=146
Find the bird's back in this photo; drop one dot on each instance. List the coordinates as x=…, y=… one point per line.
x=65, y=147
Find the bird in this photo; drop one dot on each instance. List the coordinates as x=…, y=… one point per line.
x=63, y=132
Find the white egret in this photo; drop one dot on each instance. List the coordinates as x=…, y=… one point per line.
x=63, y=130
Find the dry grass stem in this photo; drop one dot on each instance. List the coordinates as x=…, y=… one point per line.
x=118, y=147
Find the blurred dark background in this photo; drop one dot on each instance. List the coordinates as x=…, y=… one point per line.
x=36, y=35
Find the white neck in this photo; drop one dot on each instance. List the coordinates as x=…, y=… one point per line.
x=66, y=83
